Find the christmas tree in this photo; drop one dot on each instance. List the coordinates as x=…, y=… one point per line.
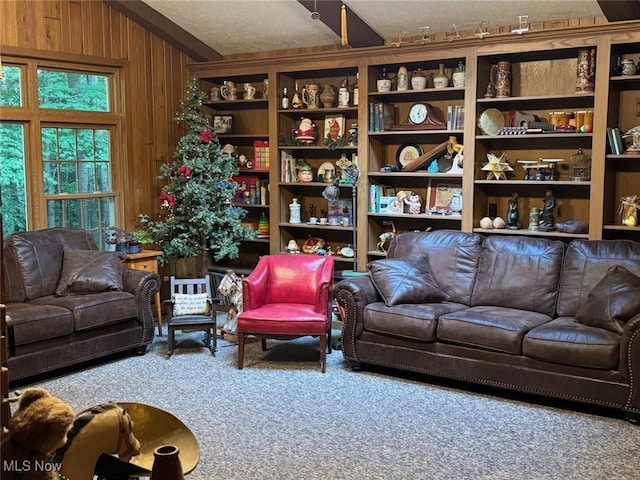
x=197, y=216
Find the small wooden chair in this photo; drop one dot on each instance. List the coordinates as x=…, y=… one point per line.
x=192, y=309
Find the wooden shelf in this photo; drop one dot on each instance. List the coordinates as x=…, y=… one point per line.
x=531, y=233
x=420, y=216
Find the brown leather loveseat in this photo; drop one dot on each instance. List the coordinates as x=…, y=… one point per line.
x=527, y=314
x=67, y=302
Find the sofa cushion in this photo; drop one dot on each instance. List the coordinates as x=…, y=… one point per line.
x=585, y=264
x=90, y=271
x=95, y=309
x=452, y=255
x=416, y=322
x=405, y=280
x=494, y=328
x=39, y=256
x=35, y=323
x=613, y=301
x=521, y=273
x=567, y=342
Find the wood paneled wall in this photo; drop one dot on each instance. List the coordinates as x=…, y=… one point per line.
x=154, y=79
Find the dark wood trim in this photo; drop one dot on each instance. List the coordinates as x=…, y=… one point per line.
x=359, y=33
x=50, y=56
x=500, y=42
x=161, y=26
x=620, y=10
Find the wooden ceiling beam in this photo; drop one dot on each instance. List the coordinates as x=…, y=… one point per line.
x=620, y=10
x=359, y=33
x=160, y=25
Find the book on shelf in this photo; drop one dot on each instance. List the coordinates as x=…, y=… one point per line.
x=287, y=167
x=382, y=116
x=455, y=117
x=614, y=137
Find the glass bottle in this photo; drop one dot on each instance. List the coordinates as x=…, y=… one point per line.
x=284, y=100
x=356, y=91
x=384, y=82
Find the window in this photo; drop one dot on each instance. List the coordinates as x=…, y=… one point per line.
x=59, y=159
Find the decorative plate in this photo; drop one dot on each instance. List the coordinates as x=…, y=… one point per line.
x=407, y=153
x=491, y=121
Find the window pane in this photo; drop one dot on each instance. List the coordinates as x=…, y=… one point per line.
x=11, y=86
x=12, y=178
x=76, y=160
x=73, y=91
x=95, y=214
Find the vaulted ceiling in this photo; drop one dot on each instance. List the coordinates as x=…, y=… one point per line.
x=213, y=29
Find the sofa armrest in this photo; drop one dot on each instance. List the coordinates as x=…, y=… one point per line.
x=352, y=295
x=144, y=285
x=630, y=361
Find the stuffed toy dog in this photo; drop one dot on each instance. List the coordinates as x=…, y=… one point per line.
x=36, y=429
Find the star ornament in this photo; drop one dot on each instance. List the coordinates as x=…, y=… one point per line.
x=496, y=166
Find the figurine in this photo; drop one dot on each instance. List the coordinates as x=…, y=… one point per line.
x=547, y=224
x=292, y=247
x=513, y=214
x=412, y=200
x=306, y=131
x=385, y=237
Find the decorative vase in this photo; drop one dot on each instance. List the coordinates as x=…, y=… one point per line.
x=166, y=464
x=458, y=75
x=402, y=80
x=586, y=71
x=503, y=79
x=418, y=80
x=440, y=80
x=328, y=96
x=294, y=210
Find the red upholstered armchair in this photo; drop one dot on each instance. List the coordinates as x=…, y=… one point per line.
x=288, y=296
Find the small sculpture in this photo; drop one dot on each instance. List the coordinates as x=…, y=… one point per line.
x=547, y=223
x=513, y=214
x=292, y=247
x=306, y=131
x=496, y=166
x=412, y=200
x=385, y=237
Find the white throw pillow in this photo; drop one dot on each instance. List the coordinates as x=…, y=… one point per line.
x=190, y=304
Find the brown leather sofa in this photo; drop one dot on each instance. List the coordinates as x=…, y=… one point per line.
x=507, y=317
x=49, y=330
